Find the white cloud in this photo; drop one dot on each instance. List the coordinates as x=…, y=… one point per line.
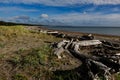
x=63, y=2
x=44, y=16
x=97, y=19
x=21, y=19
x=73, y=19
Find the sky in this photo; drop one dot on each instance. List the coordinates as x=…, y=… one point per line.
x=62, y=12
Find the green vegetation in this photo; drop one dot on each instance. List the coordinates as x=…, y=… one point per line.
x=37, y=56
x=2, y=56
x=34, y=62
x=118, y=76
x=20, y=51
x=12, y=31
x=19, y=77
x=2, y=45
x=9, y=32
x=24, y=53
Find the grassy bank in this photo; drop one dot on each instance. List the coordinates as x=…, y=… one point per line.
x=26, y=54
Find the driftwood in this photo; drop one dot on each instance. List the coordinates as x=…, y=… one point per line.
x=101, y=63
x=67, y=36
x=96, y=65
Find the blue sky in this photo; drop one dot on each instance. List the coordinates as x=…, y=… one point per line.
x=62, y=12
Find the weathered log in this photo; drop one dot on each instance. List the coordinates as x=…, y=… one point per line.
x=96, y=65
x=52, y=32
x=59, y=51
x=89, y=42
x=87, y=37
x=111, y=45
x=61, y=35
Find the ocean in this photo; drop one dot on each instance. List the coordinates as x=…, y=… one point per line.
x=98, y=30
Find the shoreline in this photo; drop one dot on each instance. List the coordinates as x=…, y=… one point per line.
x=98, y=36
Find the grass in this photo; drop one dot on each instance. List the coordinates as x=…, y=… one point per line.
x=2, y=45
x=35, y=57
x=33, y=62
x=19, y=77
x=9, y=32
x=20, y=51
x=118, y=76
x=12, y=31
x=27, y=53
x=2, y=56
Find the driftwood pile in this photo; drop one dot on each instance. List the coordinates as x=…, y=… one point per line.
x=104, y=61
x=98, y=64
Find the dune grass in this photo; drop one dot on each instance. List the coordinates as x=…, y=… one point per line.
x=12, y=31
x=118, y=76
x=31, y=62
x=27, y=52
x=9, y=32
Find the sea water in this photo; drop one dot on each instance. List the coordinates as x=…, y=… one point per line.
x=98, y=30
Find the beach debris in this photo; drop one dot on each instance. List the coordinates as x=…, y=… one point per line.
x=89, y=42
x=87, y=37
x=111, y=45
x=118, y=54
x=52, y=32
x=43, y=31
x=96, y=65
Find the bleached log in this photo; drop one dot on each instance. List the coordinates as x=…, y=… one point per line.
x=89, y=42
x=118, y=54
x=59, y=51
x=43, y=31
x=102, y=65
x=103, y=69
x=68, y=44
x=60, y=44
x=52, y=32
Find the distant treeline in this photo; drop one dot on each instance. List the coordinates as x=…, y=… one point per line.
x=3, y=23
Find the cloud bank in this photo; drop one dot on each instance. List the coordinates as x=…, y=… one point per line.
x=73, y=19
x=64, y=2
x=97, y=19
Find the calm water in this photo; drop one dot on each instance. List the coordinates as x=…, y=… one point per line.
x=99, y=30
